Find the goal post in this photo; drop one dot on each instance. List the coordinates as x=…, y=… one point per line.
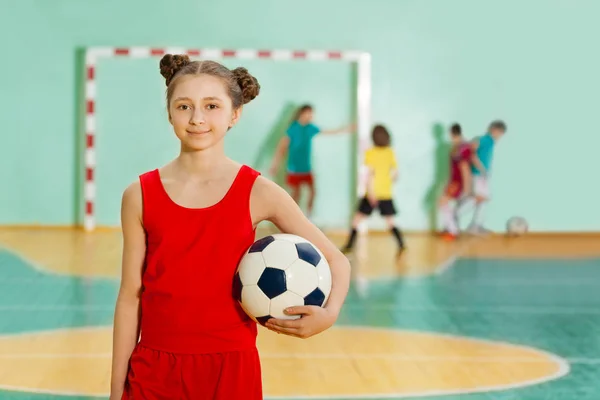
x=362, y=60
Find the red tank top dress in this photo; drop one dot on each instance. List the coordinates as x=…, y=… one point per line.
x=187, y=302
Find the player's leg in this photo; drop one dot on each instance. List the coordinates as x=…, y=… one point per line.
x=311, y=194
x=295, y=193
x=465, y=203
x=153, y=375
x=482, y=195
x=364, y=210
x=388, y=212
x=222, y=376
x=447, y=210
x=294, y=186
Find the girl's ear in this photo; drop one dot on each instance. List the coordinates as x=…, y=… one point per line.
x=235, y=117
x=169, y=114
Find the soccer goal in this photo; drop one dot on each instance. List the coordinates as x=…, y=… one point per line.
x=91, y=130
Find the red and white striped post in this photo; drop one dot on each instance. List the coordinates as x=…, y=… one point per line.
x=94, y=54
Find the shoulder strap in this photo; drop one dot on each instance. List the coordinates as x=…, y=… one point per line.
x=247, y=177
x=242, y=186
x=152, y=195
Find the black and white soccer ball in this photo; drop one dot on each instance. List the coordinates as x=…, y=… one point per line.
x=280, y=271
x=516, y=226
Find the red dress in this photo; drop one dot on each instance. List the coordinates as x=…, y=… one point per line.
x=196, y=341
x=461, y=152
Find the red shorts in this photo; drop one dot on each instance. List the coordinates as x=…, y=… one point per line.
x=158, y=375
x=294, y=179
x=454, y=189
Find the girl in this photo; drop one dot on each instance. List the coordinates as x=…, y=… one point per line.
x=459, y=182
x=185, y=227
x=383, y=171
x=298, y=140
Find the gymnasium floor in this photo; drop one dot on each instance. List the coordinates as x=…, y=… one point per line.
x=480, y=319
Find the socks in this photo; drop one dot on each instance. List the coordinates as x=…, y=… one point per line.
x=449, y=219
x=464, y=204
x=398, y=236
x=478, y=214
x=395, y=231
x=351, y=239
x=469, y=202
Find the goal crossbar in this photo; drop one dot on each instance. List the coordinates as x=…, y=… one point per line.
x=93, y=54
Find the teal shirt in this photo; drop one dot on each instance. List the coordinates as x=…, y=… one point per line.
x=485, y=152
x=300, y=148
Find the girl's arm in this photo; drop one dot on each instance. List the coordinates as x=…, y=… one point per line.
x=342, y=129
x=280, y=152
x=394, y=172
x=475, y=159
x=371, y=188
x=478, y=164
x=270, y=202
x=127, y=310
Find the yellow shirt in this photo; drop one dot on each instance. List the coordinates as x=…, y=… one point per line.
x=381, y=161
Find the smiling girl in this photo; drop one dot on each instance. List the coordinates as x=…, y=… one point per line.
x=178, y=331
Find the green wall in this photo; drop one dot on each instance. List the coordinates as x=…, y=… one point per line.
x=531, y=63
x=134, y=134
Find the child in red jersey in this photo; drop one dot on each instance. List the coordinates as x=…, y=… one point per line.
x=178, y=331
x=460, y=182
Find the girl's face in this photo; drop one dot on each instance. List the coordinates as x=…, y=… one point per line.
x=496, y=133
x=455, y=139
x=201, y=112
x=306, y=117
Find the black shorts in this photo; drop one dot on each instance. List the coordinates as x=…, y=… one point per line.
x=386, y=207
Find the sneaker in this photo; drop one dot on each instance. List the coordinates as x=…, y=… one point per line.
x=449, y=237
x=485, y=231
x=478, y=230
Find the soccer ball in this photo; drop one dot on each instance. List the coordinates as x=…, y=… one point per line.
x=516, y=226
x=280, y=271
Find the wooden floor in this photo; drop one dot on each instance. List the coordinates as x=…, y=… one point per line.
x=475, y=316
x=73, y=252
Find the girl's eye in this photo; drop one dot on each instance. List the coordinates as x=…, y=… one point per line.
x=212, y=106
x=183, y=107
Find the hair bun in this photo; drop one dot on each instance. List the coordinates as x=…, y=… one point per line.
x=249, y=84
x=170, y=64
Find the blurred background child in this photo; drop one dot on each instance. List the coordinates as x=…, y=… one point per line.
x=298, y=145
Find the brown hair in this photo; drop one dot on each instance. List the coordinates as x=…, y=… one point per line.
x=302, y=109
x=498, y=124
x=241, y=86
x=456, y=130
x=381, y=136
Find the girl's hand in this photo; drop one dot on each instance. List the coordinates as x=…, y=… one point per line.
x=271, y=202
x=314, y=320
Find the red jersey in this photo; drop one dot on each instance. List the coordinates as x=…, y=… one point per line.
x=461, y=152
x=187, y=303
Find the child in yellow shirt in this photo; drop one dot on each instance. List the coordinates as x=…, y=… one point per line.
x=383, y=171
